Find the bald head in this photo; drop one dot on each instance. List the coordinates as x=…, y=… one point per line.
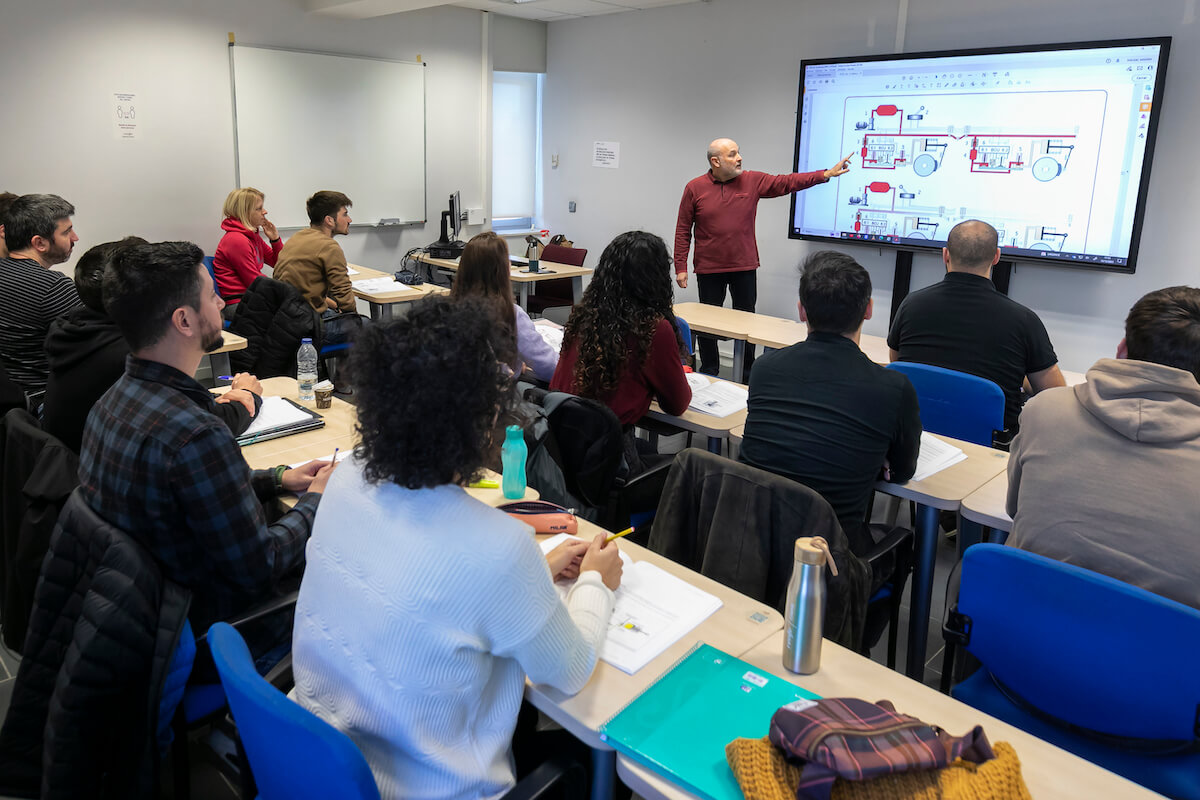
x=724, y=159
x=972, y=246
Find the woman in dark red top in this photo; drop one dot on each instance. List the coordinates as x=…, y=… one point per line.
x=620, y=345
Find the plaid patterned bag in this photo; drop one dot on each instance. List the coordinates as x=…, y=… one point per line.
x=856, y=740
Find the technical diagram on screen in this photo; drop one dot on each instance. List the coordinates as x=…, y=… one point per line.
x=1051, y=146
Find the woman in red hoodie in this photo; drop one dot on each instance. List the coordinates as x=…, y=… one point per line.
x=242, y=252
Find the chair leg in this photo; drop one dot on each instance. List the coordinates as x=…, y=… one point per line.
x=893, y=631
x=180, y=760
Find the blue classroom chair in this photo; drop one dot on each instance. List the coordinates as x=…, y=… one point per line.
x=1093, y=665
x=955, y=403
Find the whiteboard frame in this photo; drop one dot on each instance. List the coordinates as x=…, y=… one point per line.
x=386, y=222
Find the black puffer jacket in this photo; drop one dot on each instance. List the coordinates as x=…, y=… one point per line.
x=84, y=706
x=274, y=317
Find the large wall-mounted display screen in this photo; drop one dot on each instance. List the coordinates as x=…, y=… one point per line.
x=1050, y=144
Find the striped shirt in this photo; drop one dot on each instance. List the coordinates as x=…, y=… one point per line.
x=158, y=464
x=34, y=296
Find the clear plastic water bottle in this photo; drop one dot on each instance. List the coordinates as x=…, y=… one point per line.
x=512, y=460
x=306, y=369
x=805, y=614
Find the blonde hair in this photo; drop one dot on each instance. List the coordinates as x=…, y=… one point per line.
x=241, y=202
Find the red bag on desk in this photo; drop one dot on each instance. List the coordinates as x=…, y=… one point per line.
x=544, y=517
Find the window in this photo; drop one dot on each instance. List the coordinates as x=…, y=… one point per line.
x=516, y=142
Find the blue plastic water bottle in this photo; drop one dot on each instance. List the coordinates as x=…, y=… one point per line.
x=512, y=460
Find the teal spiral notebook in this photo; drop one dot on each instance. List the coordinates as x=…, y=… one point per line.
x=680, y=725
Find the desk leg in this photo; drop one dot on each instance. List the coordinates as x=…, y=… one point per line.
x=739, y=359
x=922, y=590
x=381, y=312
x=577, y=289
x=969, y=533
x=523, y=294
x=219, y=364
x=715, y=445
x=604, y=773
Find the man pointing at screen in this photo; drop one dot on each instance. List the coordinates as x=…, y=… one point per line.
x=721, y=205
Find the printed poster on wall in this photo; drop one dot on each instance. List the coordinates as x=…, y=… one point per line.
x=125, y=123
x=606, y=154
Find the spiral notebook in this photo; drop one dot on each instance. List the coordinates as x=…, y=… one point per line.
x=680, y=725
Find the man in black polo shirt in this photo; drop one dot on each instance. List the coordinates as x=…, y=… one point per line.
x=965, y=324
x=821, y=412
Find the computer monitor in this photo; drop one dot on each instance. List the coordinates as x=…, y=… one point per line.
x=448, y=244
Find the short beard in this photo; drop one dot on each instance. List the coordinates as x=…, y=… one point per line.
x=214, y=342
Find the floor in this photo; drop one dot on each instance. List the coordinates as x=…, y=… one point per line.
x=213, y=780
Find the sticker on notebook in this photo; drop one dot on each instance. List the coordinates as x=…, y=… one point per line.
x=755, y=678
x=803, y=704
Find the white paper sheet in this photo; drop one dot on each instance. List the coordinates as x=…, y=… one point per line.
x=351, y=271
x=552, y=334
x=720, y=399
x=341, y=456
x=653, y=610
x=381, y=285
x=935, y=456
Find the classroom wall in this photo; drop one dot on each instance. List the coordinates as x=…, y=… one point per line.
x=63, y=60
x=664, y=82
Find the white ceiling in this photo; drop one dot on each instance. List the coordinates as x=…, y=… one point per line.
x=543, y=10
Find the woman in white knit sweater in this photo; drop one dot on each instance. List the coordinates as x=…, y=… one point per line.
x=422, y=610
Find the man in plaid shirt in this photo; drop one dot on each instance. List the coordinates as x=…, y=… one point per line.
x=158, y=464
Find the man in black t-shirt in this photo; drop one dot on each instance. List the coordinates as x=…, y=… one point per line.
x=821, y=412
x=965, y=324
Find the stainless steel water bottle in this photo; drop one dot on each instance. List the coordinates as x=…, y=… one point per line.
x=805, y=615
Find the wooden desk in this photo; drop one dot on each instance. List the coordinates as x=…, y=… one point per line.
x=338, y=434
x=1049, y=771
x=775, y=333
x=382, y=303
x=524, y=281
x=218, y=360
x=942, y=491
x=983, y=515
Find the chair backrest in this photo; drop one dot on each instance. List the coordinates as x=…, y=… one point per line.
x=685, y=333
x=1083, y=647
x=571, y=256
x=208, y=264
x=589, y=441
x=955, y=403
x=292, y=753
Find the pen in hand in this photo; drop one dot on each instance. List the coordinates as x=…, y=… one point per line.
x=625, y=532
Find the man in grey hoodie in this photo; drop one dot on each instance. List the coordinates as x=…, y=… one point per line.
x=1103, y=474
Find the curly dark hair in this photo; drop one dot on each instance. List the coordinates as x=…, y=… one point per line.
x=629, y=293
x=434, y=391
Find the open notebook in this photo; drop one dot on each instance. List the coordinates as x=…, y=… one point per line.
x=653, y=610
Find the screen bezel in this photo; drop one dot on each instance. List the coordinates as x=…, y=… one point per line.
x=935, y=246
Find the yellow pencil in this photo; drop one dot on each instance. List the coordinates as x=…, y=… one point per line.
x=625, y=532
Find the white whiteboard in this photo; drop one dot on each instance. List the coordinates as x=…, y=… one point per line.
x=311, y=121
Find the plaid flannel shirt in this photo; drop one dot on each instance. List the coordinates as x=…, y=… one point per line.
x=158, y=464
x=844, y=737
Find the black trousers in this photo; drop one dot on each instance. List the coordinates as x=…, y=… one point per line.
x=743, y=290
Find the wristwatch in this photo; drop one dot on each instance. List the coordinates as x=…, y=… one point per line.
x=282, y=468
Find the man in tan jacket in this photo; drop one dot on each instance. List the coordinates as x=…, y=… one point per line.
x=313, y=262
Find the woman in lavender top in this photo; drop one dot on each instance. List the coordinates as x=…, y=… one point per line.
x=483, y=273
